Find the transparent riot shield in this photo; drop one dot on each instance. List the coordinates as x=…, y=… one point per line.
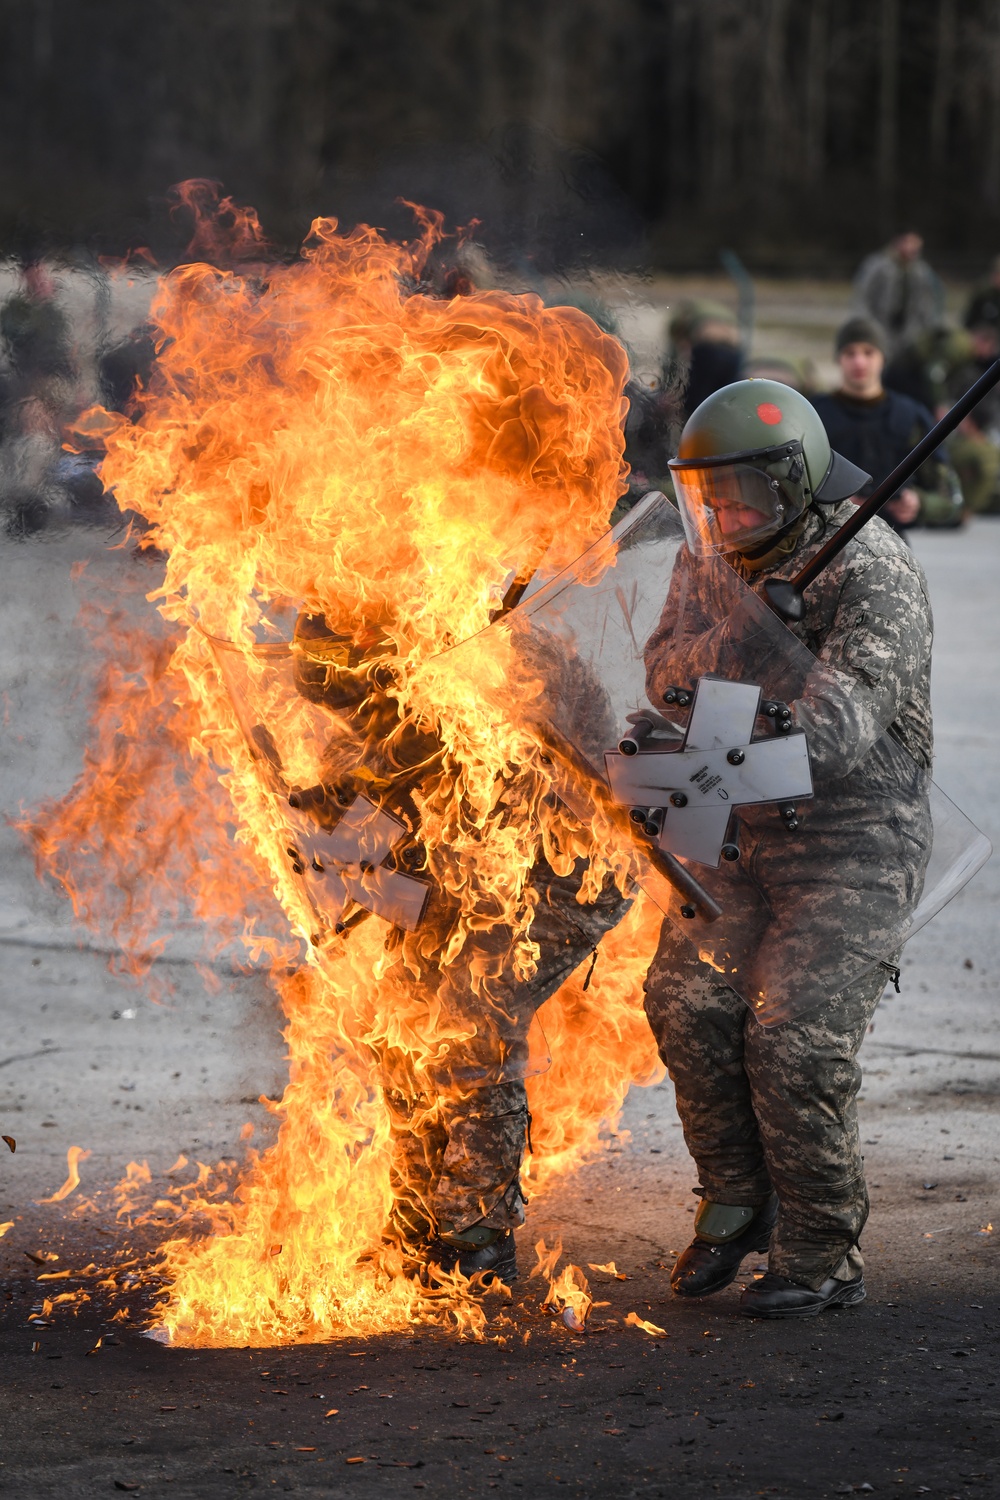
x=349, y=856
x=789, y=838
x=344, y=840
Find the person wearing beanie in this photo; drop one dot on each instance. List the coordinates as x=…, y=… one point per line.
x=875, y=428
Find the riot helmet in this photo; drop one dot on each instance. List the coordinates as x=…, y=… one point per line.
x=753, y=457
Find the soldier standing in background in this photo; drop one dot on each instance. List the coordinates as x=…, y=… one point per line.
x=897, y=287
x=769, y=1112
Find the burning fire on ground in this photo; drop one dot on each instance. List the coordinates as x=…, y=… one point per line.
x=328, y=440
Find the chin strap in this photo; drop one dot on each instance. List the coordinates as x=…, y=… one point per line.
x=778, y=550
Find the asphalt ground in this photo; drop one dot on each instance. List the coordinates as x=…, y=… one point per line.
x=899, y=1395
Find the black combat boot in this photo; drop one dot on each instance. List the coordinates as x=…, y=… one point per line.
x=723, y=1236
x=478, y=1250
x=776, y=1296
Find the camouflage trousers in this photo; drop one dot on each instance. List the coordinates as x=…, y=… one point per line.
x=456, y=1161
x=457, y=1153
x=770, y=1108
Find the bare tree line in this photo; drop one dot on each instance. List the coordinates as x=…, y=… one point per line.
x=792, y=129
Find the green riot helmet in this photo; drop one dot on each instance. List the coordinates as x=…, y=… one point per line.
x=752, y=458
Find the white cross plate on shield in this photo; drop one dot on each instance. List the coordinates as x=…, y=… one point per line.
x=718, y=768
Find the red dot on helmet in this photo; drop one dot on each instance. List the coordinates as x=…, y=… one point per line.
x=769, y=413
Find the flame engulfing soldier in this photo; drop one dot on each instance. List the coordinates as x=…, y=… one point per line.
x=769, y=1110
x=459, y=1125
x=327, y=437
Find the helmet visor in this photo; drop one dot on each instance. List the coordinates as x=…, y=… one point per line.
x=736, y=506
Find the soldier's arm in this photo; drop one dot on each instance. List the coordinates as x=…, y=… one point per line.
x=686, y=643
x=871, y=662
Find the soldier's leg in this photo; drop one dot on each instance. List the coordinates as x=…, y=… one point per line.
x=478, y=1194
x=455, y=1177
x=477, y=1200
x=457, y=1154
x=699, y=1026
x=805, y=1078
x=419, y=1139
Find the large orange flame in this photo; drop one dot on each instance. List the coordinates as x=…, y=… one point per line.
x=326, y=437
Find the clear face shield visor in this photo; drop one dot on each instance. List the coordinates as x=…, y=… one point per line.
x=738, y=503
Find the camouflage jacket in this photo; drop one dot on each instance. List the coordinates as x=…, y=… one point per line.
x=813, y=904
x=868, y=622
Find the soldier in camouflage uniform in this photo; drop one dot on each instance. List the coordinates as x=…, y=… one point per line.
x=459, y=1121
x=769, y=1111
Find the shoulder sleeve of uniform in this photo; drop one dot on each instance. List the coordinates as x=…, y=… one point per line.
x=873, y=658
x=883, y=628
x=693, y=636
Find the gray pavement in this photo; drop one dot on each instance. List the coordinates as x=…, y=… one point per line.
x=899, y=1395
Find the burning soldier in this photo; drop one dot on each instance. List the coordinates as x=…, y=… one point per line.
x=769, y=1110
x=459, y=1117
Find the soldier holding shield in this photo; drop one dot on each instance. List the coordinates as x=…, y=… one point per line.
x=768, y=1110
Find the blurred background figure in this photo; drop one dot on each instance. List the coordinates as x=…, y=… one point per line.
x=984, y=305
x=799, y=374
x=124, y=367
x=939, y=365
x=875, y=428
x=37, y=393
x=897, y=287
x=922, y=369
x=705, y=353
x=650, y=442
x=35, y=335
x=55, y=361
x=975, y=447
